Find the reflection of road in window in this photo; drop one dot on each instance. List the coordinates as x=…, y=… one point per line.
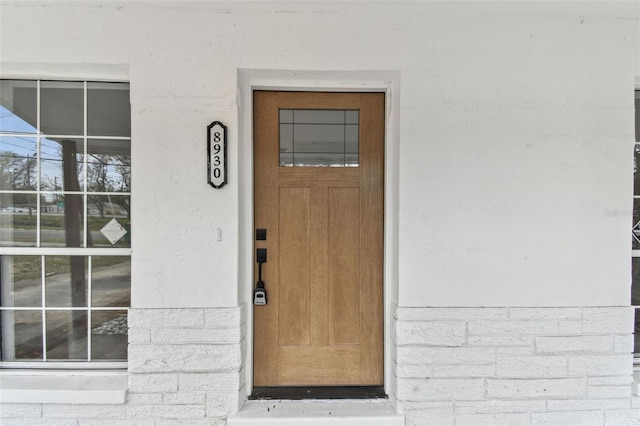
x=109, y=299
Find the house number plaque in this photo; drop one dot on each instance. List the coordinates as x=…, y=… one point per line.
x=217, y=154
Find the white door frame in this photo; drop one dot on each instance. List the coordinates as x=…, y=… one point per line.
x=329, y=81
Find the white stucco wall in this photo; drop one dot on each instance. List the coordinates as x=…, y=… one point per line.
x=509, y=181
x=515, y=134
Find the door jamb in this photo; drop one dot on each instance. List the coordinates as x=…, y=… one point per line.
x=329, y=81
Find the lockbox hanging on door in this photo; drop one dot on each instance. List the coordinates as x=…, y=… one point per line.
x=260, y=293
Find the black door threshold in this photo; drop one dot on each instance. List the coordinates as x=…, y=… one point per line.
x=318, y=392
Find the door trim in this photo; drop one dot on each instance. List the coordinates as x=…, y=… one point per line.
x=242, y=156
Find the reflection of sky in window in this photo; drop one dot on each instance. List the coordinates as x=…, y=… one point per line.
x=22, y=147
x=18, y=141
x=9, y=122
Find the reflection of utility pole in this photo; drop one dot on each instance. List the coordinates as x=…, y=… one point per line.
x=55, y=187
x=72, y=226
x=28, y=182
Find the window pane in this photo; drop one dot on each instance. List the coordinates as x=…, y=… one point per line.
x=108, y=109
x=286, y=116
x=351, y=160
x=318, y=160
x=109, y=165
x=18, y=163
x=65, y=281
x=305, y=134
x=62, y=108
x=321, y=116
x=62, y=225
x=61, y=161
x=351, y=138
x=110, y=281
x=636, y=173
x=18, y=106
x=637, y=105
x=319, y=138
x=109, y=223
x=352, y=117
x=18, y=221
x=635, y=231
x=635, y=281
x=286, y=159
x=21, y=335
x=66, y=335
x=108, y=335
x=636, y=347
x=21, y=281
x=286, y=138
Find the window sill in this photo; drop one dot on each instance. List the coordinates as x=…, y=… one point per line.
x=55, y=387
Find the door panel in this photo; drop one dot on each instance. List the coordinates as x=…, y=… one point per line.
x=294, y=307
x=343, y=254
x=323, y=324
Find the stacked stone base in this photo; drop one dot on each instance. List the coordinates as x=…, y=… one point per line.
x=451, y=366
x=515, y=366
x=185, y=368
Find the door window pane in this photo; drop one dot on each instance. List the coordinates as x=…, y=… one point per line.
x=319, y=138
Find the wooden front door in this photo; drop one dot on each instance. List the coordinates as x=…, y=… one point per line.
x=318, y=184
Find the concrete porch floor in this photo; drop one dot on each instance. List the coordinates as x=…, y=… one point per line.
x=317, y=412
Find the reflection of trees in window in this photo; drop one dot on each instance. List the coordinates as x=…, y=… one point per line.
x=109, y=173
x=18, y=172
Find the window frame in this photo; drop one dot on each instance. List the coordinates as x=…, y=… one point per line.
x=89, y=253
x=635, y=253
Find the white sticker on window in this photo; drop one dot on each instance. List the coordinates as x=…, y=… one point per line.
x=113, y=231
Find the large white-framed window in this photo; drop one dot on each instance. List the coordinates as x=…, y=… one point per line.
x=635, y=236
x=65, y=226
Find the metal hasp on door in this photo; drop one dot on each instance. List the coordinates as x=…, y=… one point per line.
x=319, y=193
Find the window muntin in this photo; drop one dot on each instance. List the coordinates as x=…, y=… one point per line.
x=65, y=173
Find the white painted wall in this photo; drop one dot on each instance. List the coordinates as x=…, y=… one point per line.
x=515, y=133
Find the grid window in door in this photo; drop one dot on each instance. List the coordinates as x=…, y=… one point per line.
x=319, y=138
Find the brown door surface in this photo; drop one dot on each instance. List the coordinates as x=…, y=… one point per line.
x=319, y=195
